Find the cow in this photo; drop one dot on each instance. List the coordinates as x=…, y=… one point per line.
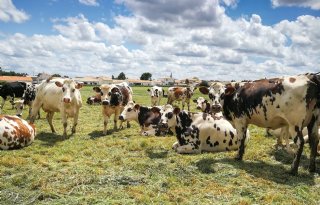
x=27, y=99
x=147, y=117
x=12, y=90
x=114, y=98
x=291, y=102
x=96, y=99
x=202, y=104
x=200, y=132
x=182, y=94
x=58, y=95
x=156, y=93
x=15, y=133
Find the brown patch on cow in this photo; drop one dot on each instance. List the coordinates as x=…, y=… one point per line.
x=292, y=80
x=178, y=92
x=125, y=95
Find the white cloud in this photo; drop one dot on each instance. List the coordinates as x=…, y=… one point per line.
x=89, y=2
x=186, y=44
x=313, y=4
x=8, y=12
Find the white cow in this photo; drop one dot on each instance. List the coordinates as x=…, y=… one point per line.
x=156, y=94
x=58, y=95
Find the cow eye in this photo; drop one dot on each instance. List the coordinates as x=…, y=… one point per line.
x=63, y=89
x=210, y=96
x=109, y=93
x=169, y=115
x=129, y=109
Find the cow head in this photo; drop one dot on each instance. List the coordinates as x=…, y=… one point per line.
x=154, y=92
x=168, y=117
x=201, y=103
x=115, y=96
x=69, y=88
x=130, y=112
x=104, y=90
x=19, y=105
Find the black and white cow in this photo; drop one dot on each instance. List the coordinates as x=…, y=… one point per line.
x=96, y=99
x=12, y=90
x=156, y=93
x=198, y=132
x=292, y=102
x=27, y=99
x=147, y=117
x=202, y=104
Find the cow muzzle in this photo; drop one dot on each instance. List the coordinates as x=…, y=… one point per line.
x=121, y=118
x=66, y=100
x=216, y=108
x=199, y=107
x=105, y=102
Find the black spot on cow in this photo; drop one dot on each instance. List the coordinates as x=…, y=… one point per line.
x=224, y=141
x=218, y=128
x=230, y=142
x=209, y=142
x=227, y=149
x=214, y=125
x=216, y=143
x=231, y=134
x=278, y=106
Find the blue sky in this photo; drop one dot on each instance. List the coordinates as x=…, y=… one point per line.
x=95, y=37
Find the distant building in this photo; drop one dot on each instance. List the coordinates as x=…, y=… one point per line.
x=134, y=82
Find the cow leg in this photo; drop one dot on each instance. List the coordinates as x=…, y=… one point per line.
x=49, y=118
x=75, y=122
x=64, y=120
x=128, y=124
x=242, y=133
x=296, y=161
x=188, y=149
x=313, y=142
x=115, y=119
x=12, y=102
x=284, y=134
x=35, y=110
x=183, y=104
x=105, y=123
x=3, y=101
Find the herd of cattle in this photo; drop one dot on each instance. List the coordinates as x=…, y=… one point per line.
x=289, y=107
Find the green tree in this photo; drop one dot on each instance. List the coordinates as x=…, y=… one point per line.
x=146, y=76
x=121, y=76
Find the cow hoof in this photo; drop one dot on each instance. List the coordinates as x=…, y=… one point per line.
x=293, y=172
x=238, y=158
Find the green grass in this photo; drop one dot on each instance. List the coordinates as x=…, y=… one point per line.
x=125, y=168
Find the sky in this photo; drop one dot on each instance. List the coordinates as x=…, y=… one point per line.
x=208, y=39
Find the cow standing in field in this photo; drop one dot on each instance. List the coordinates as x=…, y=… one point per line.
x=182, y=94
x=58, y=95
x=291, y=102
x=15, y=133
x=12, y=90
x=27, y=99
x=147, y=117
x=198, y=132
x=156, y=93
x=114, y=98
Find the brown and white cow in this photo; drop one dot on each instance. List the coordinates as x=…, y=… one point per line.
x=147, y=117
x=58, y=95
x=114, y=98
x=291, y=102
x=198, y=132
x=182, y=94
x=15, y=132
x=95, y=99
x=156, y=93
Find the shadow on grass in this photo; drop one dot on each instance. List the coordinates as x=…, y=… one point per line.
x=50, y=139
x=156, y=154
x=97, y=134
x=259, y=169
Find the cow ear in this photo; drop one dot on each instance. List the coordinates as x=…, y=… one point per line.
x=96, y=89
x=229, y=90
x=59, y=84
x=79, y=85
x=195, y=100
x=136, y=106
x=204, y=90
x=176, y=110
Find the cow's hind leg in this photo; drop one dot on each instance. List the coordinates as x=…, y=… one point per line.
x=296, y=161
x=49, y=118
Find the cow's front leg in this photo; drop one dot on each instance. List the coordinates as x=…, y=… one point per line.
x=64, y=120
x=115, y=120
x=313, y=142
x=189, y=148
x=242, y=133
x=75, y=122
x=296, y=161
x=105, y=123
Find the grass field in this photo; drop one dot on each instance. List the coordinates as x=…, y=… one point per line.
x=125, y=168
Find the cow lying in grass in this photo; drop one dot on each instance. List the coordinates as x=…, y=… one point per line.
x=197, y=132
x=147, y=117
x=15, y=133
